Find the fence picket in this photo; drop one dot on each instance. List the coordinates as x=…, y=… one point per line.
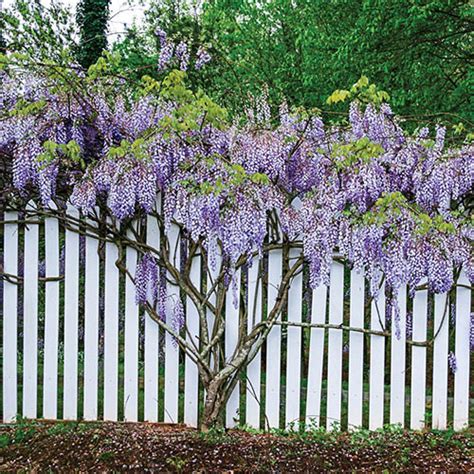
x=275, y=381
x=191, y=375
x=418, y=361
x=130, y=366
x=336, y=303
x=91, y=326
x=316, y=357
x=398, y=362
x=440, y=362
x=293, y=361
x=171, y=347
x=111, y=331
x=273, y=359
x=10, y=317
x=377, y=362
x=231, y=339
x=71, y=316
x=461, y=351
x=30, y=319
x=152, y=338
x=254, y=316
x=356, y=351
x=51, y=328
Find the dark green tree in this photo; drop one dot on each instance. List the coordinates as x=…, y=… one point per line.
x=92, y=17
x=421, y=51
x=3, y=44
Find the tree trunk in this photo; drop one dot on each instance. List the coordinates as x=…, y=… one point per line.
x=214, y=404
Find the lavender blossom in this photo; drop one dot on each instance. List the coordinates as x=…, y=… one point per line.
x=178, y=316
x=146, y=280
x=396, y=212
x=161, y=34
x=452, y=362
x=166, y=53
x=202, y=58
x=182, y=54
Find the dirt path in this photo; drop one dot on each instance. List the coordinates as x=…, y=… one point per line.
x=143, y=447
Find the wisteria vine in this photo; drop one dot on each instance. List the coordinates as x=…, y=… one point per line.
x=395, y=205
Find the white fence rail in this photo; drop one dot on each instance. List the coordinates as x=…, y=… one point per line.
x=75, y=344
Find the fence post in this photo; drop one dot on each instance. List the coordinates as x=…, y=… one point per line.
x=111, y=331
x=130, y=365
x=254, y=316
x=377, y=362
x=316, y=357
x=440, y=362
x=71, y=317
x=418, y=361
x=10, y=318
x=231, y=338
x=356, y=351
x=30, y=318
x=461, y=350
x=51, y=327
x=293, y=352
x=152, y=337
x=398, y=362
x=91, y=326
x=171, y=346
x=336, y=305
x=273, y=359
x=191, y=375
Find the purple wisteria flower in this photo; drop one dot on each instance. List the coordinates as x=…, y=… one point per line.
x=392, y=203
x=452, y=362
x=202, y=58
x=178, y=319
x=147, y=280
x=182, y=54
x=161, y=34
x=166, y=54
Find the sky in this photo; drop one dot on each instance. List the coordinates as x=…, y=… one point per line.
x=121, y=12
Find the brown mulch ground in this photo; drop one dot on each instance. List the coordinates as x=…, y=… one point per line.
x=144, y=447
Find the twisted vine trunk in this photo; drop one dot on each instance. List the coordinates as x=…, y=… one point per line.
x=220, y=385
x=214, y=404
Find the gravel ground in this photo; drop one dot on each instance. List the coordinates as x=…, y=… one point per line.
x=148, y=447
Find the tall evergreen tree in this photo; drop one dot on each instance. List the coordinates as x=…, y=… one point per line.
x=92, y=17
x=2, y=40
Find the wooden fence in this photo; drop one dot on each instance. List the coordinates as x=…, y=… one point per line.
x=76, y=345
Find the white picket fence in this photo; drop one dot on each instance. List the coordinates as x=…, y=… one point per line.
x=54, y=365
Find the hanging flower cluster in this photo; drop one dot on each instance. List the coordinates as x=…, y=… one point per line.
x=395, y=204
x=170, y=50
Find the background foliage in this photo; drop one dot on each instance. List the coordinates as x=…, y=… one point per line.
x=419, y=50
